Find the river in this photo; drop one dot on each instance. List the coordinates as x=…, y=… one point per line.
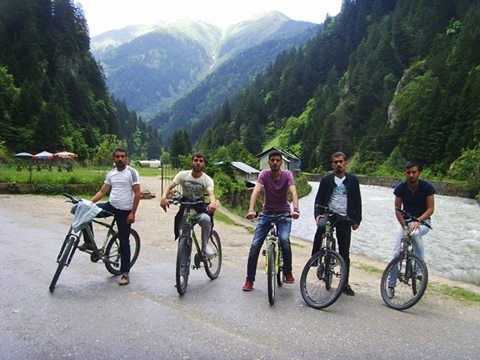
x=452, y=249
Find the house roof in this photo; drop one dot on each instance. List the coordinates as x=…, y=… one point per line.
x=284, y=152
x=244, y=167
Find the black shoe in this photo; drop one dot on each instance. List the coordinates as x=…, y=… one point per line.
x=86, y=246
x=347, y=290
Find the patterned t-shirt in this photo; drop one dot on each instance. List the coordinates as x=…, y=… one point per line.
x=338, y=199
x=193, y=188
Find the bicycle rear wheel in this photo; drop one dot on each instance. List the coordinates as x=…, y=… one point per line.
x=183, y=263
x=112, y=252
x=323, y=279
x=213, y=263
x=410, y=277
x=68, y=248
x=271, y=280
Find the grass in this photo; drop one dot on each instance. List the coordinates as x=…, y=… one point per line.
x=368, y=268
x=457, y=293
x=229, y=221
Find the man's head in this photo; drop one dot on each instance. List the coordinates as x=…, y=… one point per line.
x=275, y=160
x=198, y=162
x=339, y=163
x=120, y=158
x=412, y=172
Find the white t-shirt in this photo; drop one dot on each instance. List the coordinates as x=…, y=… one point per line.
x=193, y=188
x=121, y=194
x=338, y=199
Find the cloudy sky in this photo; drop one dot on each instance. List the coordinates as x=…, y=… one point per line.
x=104, y=15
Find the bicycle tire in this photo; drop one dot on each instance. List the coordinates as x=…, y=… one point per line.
x=213, y=263
x=183, y=264
x=112, y=252
x=280, y=268
x=320, y=292
x=62, y=262
x=410, y=286
x=271, y=279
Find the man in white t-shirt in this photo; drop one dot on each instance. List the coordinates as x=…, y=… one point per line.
x=195, y=183
x=123, y=183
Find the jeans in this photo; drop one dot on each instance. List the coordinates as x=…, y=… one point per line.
x=418, y=249
x=344, y=234
x=123, y=234
x=205, y=222
x=284, y=226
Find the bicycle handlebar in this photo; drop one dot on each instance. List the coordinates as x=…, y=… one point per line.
x=331, y=212
x=407, y=216
x=73, y=199
x=176, y=201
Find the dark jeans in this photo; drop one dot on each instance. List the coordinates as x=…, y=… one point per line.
x=123, y=234
x=284, y=226
x=343, y=231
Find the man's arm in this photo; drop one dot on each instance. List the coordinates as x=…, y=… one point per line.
x=430, y=202
x=293, y=190
x=358, y=205
x=213, y=202
x=136, y=200
x=166, y=191
x=101, y=193
x=398, y=214
x=253, y=200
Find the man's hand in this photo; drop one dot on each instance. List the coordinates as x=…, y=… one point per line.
x=355, y=226
x=414, y=226
x=211, y=208
x=317, y=219
x=131, y=218
x=294, y=214
x=164, y=203
x=251, y=215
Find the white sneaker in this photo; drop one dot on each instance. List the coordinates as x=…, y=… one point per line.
x=207, y=251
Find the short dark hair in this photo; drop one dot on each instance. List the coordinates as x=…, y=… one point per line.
x=121, y=150
x=411, y=164
x=274, y=153
x=199, y=154
x=338, y=154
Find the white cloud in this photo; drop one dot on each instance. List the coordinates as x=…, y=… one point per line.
x=104, y=15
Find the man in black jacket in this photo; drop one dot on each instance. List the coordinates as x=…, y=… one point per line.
x=339, y=192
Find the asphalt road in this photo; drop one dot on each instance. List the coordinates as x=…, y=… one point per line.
x=90, y=317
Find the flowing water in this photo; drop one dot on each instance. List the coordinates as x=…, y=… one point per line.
x=452, y=249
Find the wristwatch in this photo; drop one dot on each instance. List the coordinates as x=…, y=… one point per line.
x=297, y=210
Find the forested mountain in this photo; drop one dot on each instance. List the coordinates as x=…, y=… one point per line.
x=386, y=81
x=52, y=92
x=193, y=112
x=152, y=67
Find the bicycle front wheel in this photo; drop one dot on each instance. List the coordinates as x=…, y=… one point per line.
x=68, y=248
x=323, y=279
x=112, y=252
x=213, y=263
x=271, y=280
x=407, y=276
x=183, y=263
x=280, y=268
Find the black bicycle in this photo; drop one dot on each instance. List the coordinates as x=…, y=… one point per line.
x=109, y=252
x=405, y=278
x=325, y=273
x=212, y=262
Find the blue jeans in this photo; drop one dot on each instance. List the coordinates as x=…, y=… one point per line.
x=284, y=226
x=418, y=249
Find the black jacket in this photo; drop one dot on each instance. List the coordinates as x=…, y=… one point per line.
x=354, y=200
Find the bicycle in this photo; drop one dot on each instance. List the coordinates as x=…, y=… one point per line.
x=406, y=271
x=273, y=257
x=109, y=252
x=212, y=263
x=325, y=273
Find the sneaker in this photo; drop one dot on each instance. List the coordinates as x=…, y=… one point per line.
x=248, y=286
x=289, y=279
x=207, y=251
x=124, y=280
x=347, y=290
x=390, y=292
x=85, y=246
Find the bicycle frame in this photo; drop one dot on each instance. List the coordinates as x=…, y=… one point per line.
x=187, y=230
x=272, y=239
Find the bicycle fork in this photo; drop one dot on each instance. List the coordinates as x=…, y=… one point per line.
x=75, y=240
